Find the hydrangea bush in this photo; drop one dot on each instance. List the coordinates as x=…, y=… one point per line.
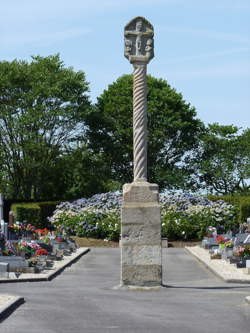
x=184, y=216
x=98, y=216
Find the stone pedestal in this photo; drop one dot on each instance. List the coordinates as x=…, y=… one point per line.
x=141, y=236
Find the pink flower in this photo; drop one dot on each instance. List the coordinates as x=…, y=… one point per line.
x=34, y=245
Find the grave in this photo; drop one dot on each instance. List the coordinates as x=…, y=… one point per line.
x=15, y=262
x=4, y=270
x=241, y=239
x=209, y=243
x=140, y=215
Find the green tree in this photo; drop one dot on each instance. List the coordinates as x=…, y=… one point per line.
x=223, y=163
x=42, y=106
x=173, y=132
x=85, y=173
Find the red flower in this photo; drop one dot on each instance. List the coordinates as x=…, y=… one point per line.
x=221, y=240
x=42, y=231
x=41, y=252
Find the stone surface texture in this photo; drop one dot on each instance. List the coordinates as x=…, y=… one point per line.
x=141, y=235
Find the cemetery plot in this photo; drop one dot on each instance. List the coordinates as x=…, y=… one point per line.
x=26, y=252
x=226, y=255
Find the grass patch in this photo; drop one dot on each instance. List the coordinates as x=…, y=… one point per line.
x=93, y=242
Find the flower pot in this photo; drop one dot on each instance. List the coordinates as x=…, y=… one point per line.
x=227, y=253
x=242, y=262
x=22, y=254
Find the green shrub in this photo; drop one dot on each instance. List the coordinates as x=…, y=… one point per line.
x=241, y=203
x=244, y=211
x=35, y=213
x=182, y=220
x=46, y=210
x=89, y=223
x=27, y=212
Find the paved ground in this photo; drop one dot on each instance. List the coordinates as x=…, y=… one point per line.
x=81, y=300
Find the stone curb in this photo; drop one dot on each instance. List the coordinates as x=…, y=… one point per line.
x=49, y=274
x=227, y=272
x=10, y=306
x=247, y=299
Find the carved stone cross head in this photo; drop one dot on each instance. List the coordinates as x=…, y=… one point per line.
x=139, y=40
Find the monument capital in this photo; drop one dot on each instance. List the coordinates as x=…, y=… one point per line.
x=139, y=41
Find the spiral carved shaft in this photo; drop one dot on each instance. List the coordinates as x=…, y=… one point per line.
x=140, y=122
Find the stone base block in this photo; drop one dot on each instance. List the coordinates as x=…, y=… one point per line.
x=141, y=275
x=141, y=255
x=141, y=235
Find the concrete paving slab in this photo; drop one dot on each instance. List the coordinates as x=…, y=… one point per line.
x=226, y=271
x=8, y=303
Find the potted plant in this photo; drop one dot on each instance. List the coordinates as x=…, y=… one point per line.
x=27, y=249
x=227, y=252
x=243, y=253
x=221, y=240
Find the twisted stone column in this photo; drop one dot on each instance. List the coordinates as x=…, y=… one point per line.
x=140, y=122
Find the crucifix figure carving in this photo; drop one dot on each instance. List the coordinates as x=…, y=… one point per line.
x=139, y=35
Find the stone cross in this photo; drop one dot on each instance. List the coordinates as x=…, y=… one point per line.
x=140, y=213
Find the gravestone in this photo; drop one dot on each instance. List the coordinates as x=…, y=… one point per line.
x=4, y=270
x=140, y=214
x=210, y=243
x=4, y=228
x=247, y=240
x=241, y=239
x=11, y=218
x=15, y=262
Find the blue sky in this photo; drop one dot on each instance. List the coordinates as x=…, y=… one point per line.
x=202, y=48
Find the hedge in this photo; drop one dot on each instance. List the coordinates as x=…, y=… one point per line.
x=241, y=202
x=35, y=213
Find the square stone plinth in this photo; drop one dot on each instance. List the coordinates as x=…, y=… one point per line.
x=141, y=262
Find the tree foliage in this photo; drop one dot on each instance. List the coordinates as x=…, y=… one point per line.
x=42, y=104
x=84, y=174
x=173, y=132
x=223, y=163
